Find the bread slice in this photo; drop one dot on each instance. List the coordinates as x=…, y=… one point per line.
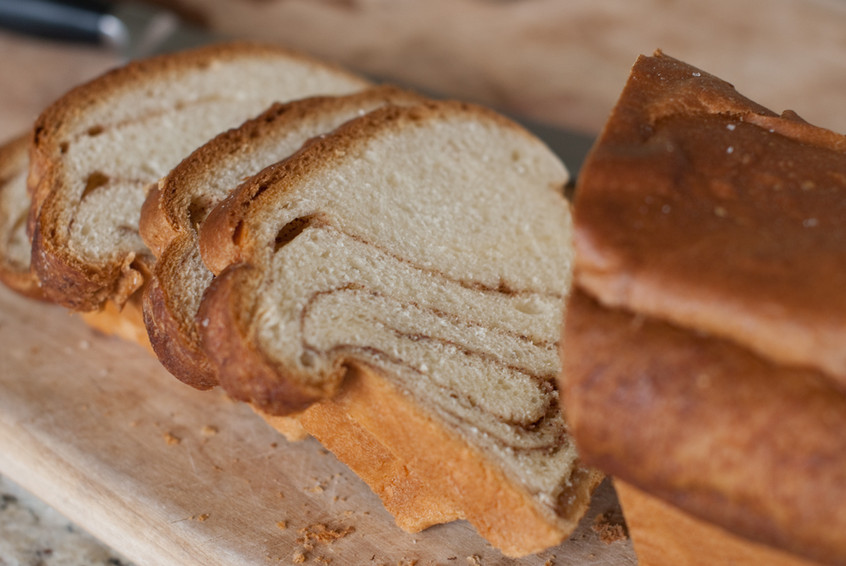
x=183, y=198
x=407, y=273
x=15, y=249
x=97, y=148
x=704, y=208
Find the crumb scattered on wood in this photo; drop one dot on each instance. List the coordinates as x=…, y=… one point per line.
x=610, y=526
x=282, y=525
x=316, y=488
x=209, y=430
x=202, y=517
x=171, y=439
x=474, y=560
x=321, y=534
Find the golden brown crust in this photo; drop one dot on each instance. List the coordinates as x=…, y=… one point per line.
x=426, y=475
x=655, y=528
x=153, y=224
x=125, y=322
x=701, y=207
x=708, y=427
x=176, y=345
x=243, y=370
x=13, y=162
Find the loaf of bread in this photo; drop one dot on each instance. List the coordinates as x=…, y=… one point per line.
x=96, y=150
x=423, y=253
x=15, y=249
x=707, y=210
x=181, y=201
x=711, y=259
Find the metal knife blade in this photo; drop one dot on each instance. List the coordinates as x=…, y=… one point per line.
x=135, y=29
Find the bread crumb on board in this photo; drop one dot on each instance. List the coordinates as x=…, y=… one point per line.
x=209, y=430
x=313, y=535
x=321, y=534
x=610, y=526
x=171, y=439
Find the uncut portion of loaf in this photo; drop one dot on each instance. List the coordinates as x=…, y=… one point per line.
x=97, y=149
x=15, y=249
x=699, y=422
x=426, y=246
x=704, y=208
x=708, y=291
x=182, y=199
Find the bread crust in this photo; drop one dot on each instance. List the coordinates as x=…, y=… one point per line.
x=426, y=475
x=69, y=279
x=13, y=162
x=176, y=344
x=704, y=208
x=709, y=427
x=126, y=322
x=654, y=527
x=244, y=371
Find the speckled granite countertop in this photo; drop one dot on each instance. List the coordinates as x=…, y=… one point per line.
x=34, y=534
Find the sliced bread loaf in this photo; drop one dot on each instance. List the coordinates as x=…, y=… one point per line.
x=710, y=268
x=706, y=209
x=182, y=199
x=15, y=249
x=408, y=272
x=97, y=149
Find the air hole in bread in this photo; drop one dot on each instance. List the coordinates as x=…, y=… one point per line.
x=293, y=229
x=261, y=188
x=95, y=180
x=95, y=130
x=63, y=147
x=198, y=208
x=307, y=359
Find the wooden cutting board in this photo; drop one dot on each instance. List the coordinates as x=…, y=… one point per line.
x=169, y=475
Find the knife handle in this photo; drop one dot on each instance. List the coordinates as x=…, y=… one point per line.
x=84, y=21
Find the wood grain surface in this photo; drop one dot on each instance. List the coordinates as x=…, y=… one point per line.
x=564, y=61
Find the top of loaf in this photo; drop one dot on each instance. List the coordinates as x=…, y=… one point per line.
x=701, y=207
